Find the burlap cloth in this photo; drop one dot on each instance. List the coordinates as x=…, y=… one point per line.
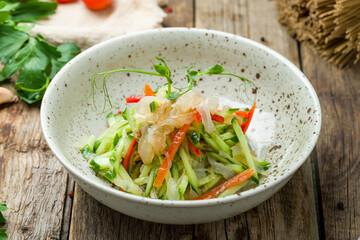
x=73, y=22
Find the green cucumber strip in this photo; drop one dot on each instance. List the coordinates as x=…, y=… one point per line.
x=175, y=171
x=206, y=179
x=96, y=144
x=105, y=155
x=235, y=167
x=162, y=191
x=211, y=143
x=195, y=138
x=199, y=127
x=245, y=148
x=230, y=143
x=115, y=141
x=109, y=175
x=150, y=181
x=227, y=136
x=109, y=137
x=136, y=171
x=233, y=190
x=188, y=169
x=124, y=174
x=110, y=119
x=212, y=183
x=153, y=194
x=141, y=180
x=87, y=152
x=172, y=190
x=145, y=171
x=222, y=128
x=90, y=141
x=153, y=106
x=101, y=165
x=183, y=183
x=220, y=143
x=132, y=121
x=127, y=186
x=262, y=165
x=220, y=158
x=230, y=112
x=119, y=149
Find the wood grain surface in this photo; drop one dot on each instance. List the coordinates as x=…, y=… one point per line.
x=322, y=200
x=337, y=151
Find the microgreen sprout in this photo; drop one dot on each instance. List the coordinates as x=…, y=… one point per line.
x=162, y=70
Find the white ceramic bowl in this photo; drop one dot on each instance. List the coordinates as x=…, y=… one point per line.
x=284, y=130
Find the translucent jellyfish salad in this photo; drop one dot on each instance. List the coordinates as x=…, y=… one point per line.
x=173, y=143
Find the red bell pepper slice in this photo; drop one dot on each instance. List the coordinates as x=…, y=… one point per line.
x=193, y=149
x=134, y=98
x=128, y=154
x=217, y=118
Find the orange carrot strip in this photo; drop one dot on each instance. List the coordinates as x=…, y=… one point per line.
x=174, y=147
x=232, y=182
x=148, y=91
x=245, y=125
x=128, y=154
x=243, y=114
x=193, y=149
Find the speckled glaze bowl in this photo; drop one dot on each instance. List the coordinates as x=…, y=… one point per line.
x=284, y=131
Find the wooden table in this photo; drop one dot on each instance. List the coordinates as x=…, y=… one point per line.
x=321, y=201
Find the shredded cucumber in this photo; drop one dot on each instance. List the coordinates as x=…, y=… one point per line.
x=168, y=125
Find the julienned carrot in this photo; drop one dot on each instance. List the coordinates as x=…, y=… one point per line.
x=174, y=147
x=243, y=114
x=232, y=182
x=128, y=154
x=148, y=91
x=245, y=125
x=134, y=98
x=217, y=118
x=193, y=149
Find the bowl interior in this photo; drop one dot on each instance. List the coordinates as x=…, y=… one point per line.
x=285, y=125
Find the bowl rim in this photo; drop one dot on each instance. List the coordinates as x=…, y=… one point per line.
x=183, y=203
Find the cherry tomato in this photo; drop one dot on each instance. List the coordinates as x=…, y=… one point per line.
x=97, y=5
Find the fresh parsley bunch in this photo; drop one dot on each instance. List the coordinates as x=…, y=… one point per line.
x=32, y=57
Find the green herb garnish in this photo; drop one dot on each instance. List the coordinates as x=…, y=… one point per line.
x=36, y=60
x=162, y=70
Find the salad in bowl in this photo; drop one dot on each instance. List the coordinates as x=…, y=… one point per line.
x=173, y=143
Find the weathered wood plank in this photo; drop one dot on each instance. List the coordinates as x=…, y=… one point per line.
x=290, y=214
x=338, y=155
x=182, y=14
x=33, y=183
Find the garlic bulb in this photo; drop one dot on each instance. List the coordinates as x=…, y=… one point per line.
x=6, y=96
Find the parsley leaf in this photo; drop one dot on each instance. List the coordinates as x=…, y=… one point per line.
x=31, y=11
x=11, y=41
x=3, y=235
x=36, y=60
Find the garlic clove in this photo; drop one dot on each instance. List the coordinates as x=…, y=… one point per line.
x=6, y=96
